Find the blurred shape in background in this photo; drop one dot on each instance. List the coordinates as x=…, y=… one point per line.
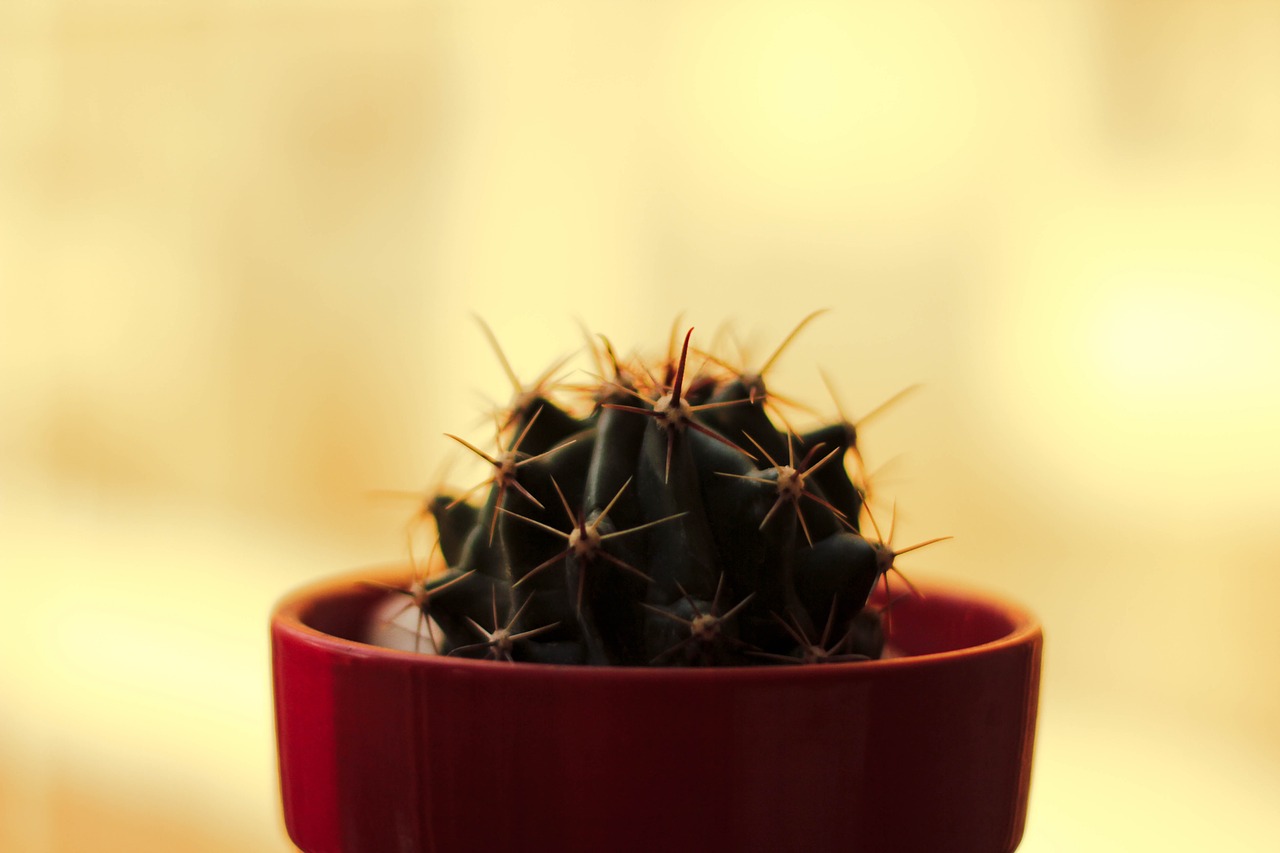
x=241, y=243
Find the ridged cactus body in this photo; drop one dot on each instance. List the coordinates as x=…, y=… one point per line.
x=672, y=524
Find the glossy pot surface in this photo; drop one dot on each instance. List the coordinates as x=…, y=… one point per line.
x=383, y=750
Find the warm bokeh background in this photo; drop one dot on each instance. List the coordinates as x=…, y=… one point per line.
x=240, y=243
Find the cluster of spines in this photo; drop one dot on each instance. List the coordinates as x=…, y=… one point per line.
x=665, y=520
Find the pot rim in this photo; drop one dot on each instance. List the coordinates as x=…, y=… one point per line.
x=287, y=618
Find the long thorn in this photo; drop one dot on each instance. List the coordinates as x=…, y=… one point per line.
x=781, y=499
x=534, y=522
x=533, y=632
x=537, y=570
x=477, y=451
x=804, y=525
x=564, y=502
x=880, y=409
x=624, y=565
x=914, y=590
x=772, y=462
x=605, y=512
x=902, y=551
x=678, y=386
x=710, y=433
x=667, y=613
x=733, y=611
x=823, y=461
x=748, y=477
x=502, y=357
x=788, y=339
x=615, y=534
x=826, y=629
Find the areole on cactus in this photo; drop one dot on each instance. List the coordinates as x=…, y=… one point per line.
x=662, y=518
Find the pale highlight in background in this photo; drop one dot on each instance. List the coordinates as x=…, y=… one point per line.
x=240, y=244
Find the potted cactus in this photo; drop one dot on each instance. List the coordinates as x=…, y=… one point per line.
x=667, y=624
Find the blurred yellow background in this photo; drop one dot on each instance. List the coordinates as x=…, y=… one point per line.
x=240, y=246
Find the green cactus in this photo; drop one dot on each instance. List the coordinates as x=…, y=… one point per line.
x=673, y=523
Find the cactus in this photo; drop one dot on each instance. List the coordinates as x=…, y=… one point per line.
x=666, y=521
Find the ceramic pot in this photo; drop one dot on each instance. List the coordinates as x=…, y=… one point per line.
x=383, y=750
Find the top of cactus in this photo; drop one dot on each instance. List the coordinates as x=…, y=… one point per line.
x=622, y=517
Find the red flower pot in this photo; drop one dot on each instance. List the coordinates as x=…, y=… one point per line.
x=386, y=751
